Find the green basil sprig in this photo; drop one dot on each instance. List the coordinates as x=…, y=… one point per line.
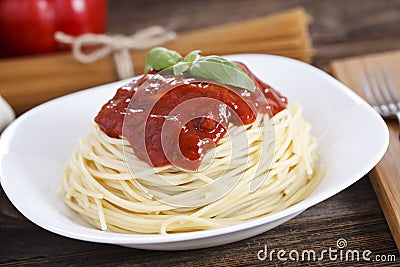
x=215, y=68
x=192, y=56
x=181, y=67
x=223, y=71
x=160, y=58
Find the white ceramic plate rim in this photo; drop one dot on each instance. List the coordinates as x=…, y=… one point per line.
x=108, y=237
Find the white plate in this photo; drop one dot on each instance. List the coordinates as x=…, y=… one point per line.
x=33, y=150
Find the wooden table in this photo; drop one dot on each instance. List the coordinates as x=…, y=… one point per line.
x=341, y=28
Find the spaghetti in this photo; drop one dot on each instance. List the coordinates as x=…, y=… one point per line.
x=98, y=185
x=178, y=154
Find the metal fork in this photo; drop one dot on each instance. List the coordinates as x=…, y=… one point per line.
x=381, y=93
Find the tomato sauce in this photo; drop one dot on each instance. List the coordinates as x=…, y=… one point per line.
x=177, y=120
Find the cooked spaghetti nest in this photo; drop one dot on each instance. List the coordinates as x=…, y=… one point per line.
x=114, y=190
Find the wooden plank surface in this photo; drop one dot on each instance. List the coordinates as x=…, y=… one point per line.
x=341, y=28
x=386, y=175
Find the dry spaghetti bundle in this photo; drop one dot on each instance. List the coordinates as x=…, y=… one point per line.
x=284, y=34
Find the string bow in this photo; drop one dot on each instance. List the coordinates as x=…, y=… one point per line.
x=117, y=45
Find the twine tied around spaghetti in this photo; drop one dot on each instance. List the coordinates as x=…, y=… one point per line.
x=117, y=45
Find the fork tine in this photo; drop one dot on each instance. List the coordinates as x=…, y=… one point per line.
x=385, y=91
x=377, y=93
x=368, y=91
x=391, y=87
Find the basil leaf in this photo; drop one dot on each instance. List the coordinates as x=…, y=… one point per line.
x=223, y=71
x=192, y=56
x=160, y=58
x=180, y=67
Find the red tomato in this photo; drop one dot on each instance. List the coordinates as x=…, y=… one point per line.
x=28, y=26
x=80, y=16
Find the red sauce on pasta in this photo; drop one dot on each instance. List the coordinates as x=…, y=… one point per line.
x=176, y=121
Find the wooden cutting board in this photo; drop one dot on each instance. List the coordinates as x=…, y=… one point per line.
x=385, y=177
